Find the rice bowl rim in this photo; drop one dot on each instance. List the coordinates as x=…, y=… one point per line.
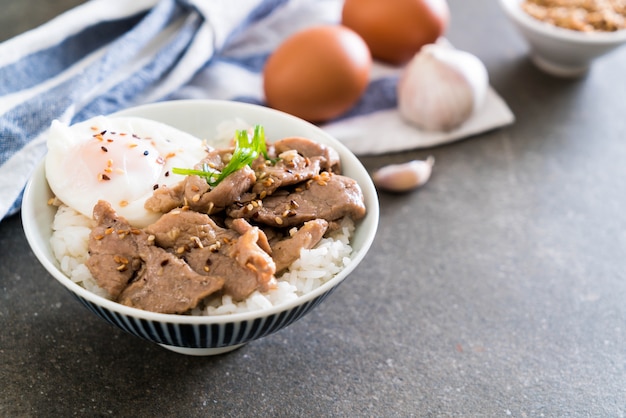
x=35, y=209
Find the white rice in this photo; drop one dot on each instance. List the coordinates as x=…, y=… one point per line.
x=316, y=266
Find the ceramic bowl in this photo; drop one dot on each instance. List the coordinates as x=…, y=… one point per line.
x=204, y=335
x=558, y=51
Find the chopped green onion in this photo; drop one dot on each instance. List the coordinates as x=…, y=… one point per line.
x=246, y=151
x=206, y=172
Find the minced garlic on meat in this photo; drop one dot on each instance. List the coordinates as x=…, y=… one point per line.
x=580, y=15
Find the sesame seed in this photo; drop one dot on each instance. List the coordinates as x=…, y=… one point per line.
x=197, y=241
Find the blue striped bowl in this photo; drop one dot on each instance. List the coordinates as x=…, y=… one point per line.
x=203, y=335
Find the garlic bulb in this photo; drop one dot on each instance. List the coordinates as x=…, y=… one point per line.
x=404, y=177
x=441, y=87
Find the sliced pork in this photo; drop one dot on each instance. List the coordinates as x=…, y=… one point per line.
x=231, y=238
x=287, y=250
x=114, y=248
x=311, y=149
x=240, y=255
x=329, y=197
x=290, y=169
x=166, y=284
x=195, y=193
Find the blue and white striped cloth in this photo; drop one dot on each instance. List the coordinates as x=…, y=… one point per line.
x=106, y=55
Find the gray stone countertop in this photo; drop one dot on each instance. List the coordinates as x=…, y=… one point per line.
x=498, y=289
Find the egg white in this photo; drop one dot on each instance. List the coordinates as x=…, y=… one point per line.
x=117, y=159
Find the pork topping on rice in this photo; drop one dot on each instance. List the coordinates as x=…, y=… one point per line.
x=224, y=236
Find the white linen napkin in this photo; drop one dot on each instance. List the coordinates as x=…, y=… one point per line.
x=107, y=55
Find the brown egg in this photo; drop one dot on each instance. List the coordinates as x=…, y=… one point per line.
x=395, y=30
x=318, y=73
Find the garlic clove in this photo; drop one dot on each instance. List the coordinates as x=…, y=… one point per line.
x=404, y=177
x=441, y=87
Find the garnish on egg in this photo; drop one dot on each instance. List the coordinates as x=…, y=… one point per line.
x=246, y=151
x=103, y=159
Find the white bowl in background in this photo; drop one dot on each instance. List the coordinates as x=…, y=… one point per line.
x=558, y=51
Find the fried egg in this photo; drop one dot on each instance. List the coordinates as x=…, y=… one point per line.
x=118, y=159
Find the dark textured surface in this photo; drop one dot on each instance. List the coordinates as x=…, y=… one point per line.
x=497, y=289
